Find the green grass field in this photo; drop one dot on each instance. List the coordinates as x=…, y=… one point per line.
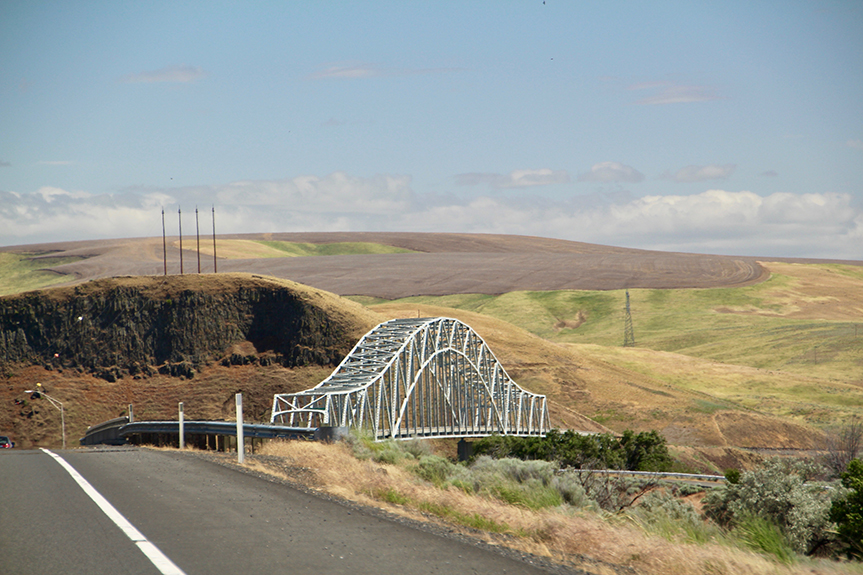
x=790, y=347
x=20, y=273
x=751, y=326
x=297, y=249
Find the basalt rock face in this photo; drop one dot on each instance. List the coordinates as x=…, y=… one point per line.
x=114, y=329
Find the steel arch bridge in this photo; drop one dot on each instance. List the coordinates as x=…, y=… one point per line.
x=422, y=377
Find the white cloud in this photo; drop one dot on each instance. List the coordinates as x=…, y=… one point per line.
x=716, y=221
x=670, y=93
x=175, y=74
x=353, y=71
x=348, y=71
x=336, y=193
x=515, y=179
x=701, y=173
x=611, y=172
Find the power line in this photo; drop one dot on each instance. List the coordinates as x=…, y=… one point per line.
x=628, y=334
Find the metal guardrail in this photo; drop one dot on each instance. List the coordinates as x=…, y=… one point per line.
x=217, y=428
x=106, y=432
x=656, y=474
x=116, y=431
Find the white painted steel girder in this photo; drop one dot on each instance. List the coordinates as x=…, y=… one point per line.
x=422, y=377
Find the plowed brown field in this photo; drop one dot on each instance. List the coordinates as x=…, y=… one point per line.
x=442, y=264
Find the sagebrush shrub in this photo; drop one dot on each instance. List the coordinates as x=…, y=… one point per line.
x=434, y=469
x=570, y=488
x=777, y=491
x=664, y=514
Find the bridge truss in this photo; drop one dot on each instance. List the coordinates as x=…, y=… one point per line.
x=423, y=377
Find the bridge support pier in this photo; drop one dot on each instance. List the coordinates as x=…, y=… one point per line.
x=465, y=450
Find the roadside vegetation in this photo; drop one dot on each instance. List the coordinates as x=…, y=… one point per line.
x=775, y=519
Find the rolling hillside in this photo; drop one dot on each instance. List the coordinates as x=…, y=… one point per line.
x=759, y=355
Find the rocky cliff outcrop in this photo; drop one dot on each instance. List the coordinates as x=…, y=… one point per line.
x=175, y=324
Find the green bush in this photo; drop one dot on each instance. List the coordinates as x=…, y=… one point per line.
x=777, y=491
x=847, y=512
x=732, y=476
x=644, y=451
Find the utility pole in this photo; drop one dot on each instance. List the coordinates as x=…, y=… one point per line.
x=164, y=244
x=215, y=268
x=198, y=236
x=628, y=334
x=180, y=217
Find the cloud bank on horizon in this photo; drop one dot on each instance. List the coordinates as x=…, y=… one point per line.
x=732, y=128
x=714, y=221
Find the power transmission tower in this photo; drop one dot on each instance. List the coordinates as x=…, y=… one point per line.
x=628, y=334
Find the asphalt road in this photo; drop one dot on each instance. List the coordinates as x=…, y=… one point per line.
x=207, y=519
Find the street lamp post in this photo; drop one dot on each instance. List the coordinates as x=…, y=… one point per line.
x=56, y=403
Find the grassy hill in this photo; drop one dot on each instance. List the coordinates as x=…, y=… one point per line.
x=805, y=319
x=20, y=272
x=765, y=365
x=762, y=365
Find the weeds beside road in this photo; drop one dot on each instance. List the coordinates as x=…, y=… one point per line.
x=664, y=536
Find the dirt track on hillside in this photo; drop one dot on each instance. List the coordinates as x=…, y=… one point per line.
x=444, y=264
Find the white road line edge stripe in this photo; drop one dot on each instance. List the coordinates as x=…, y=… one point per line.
x=159, y=559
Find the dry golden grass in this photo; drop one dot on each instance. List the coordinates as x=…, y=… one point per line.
x=823, y=292
x=584, y=540
x=636, y=388
x=235, y=249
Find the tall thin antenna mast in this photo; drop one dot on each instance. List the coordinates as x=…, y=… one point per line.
x=164, y=244
x=628, y=334
x=198, y=236
x=180, y=216
x=215, y=268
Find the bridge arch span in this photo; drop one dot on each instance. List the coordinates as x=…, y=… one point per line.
x=418, y=377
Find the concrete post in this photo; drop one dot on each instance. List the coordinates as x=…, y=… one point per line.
x=182, y=428
x=241, y=443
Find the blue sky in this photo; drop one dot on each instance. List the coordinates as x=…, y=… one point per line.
x=716, y=127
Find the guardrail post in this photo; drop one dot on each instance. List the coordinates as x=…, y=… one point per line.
x=241, y=443
x=182, y=428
